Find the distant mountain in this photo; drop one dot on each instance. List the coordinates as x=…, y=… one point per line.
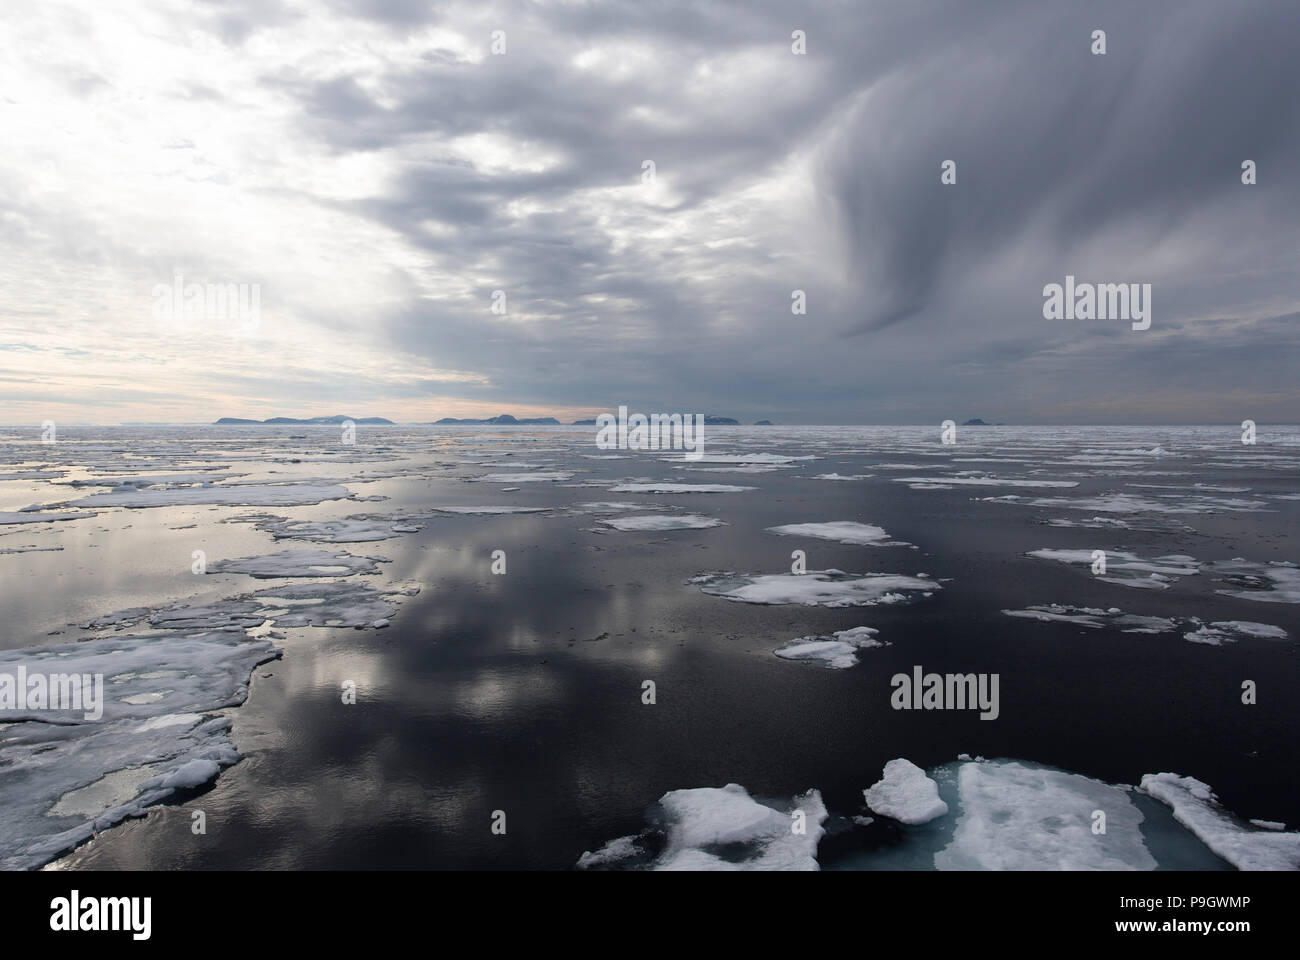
x=712, y=421
x=974, y=422
x=762, y=423
x=500, y=420
x=280, y=421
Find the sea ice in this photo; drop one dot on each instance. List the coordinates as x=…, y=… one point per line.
x=905, y=794
x=654, y=522
x=827, y=588
x=836, y=652
x=299, y=563
x=1197, y=808
x=1018, y=816
x=841, y=531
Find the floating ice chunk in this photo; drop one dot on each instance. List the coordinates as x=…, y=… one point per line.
x=836, y=476
x=1197, y=808
x=1230, y=631
x=324, y=604
x=1133, y=570
x=67, y=775
x=33, y=516
x=608, y=506
x=711, y=828
x=490, y=510
x=841, y=531
x=677, y=488
x=827, y=588
x=1096, y=618
x=905, y=794
x=358, y=529
x=1018, y=816
x=1270, y=582
x=616, y=850
x=1128, y=503
x=249, y=494
x=736, y=458
x=836, y=652
x=540, y=476
x=986, y=481
x=299, y=563
x=151, y=480
x=654, y=522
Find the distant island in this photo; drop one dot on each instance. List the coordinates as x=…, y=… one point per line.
x=762, y=423
x=708, y=420
x=974, y=422
x=503, y=419
x=276, y=421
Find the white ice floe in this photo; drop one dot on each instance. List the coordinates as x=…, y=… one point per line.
x=541, y=476
x=1096, y=618
x=836, y=476
x=151, y=480
x=712, y=828
x=827, y=588
x=841, y=531
x=736, y=458
x=490, y=510
x=299, y=563
x=1019, y=816
x=677, y=488
x=835, y=652
x=1214, y=634
x=905, y=794
x=654, y=522
x=66, y=776
x=1128, y=569
x=1197, y=808
x=1129, y=503
x=984, y=481
x=617, y=850
x=608, y=506
x=1230, y=631
x=1275, y=582
x=357, y=529
x=31, y=515
x=235, y=495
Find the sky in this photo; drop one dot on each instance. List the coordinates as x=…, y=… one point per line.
x=639, y=188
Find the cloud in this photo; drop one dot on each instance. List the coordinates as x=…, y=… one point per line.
x=381, y=173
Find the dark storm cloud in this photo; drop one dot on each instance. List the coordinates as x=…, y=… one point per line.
x=1116, y=168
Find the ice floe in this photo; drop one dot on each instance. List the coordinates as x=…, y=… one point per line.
x=841, y=531
x=905, y=794
x=541, y=476
x=652, y=522
x=1214, y=634
x=677, y=488
x=299, y=563
x=1019, y=816
x=1127, y=569
x=721, y=828
x=32, y=515
x=1276, y=582
x=838, y=651
x=1197, y=808
x=826, y=588
x=237, y=495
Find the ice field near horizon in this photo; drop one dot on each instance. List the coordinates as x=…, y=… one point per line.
x=495, y=600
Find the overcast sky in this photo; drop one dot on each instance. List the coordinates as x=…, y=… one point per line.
x=378, y=172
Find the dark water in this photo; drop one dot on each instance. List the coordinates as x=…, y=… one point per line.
x=522, y=692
